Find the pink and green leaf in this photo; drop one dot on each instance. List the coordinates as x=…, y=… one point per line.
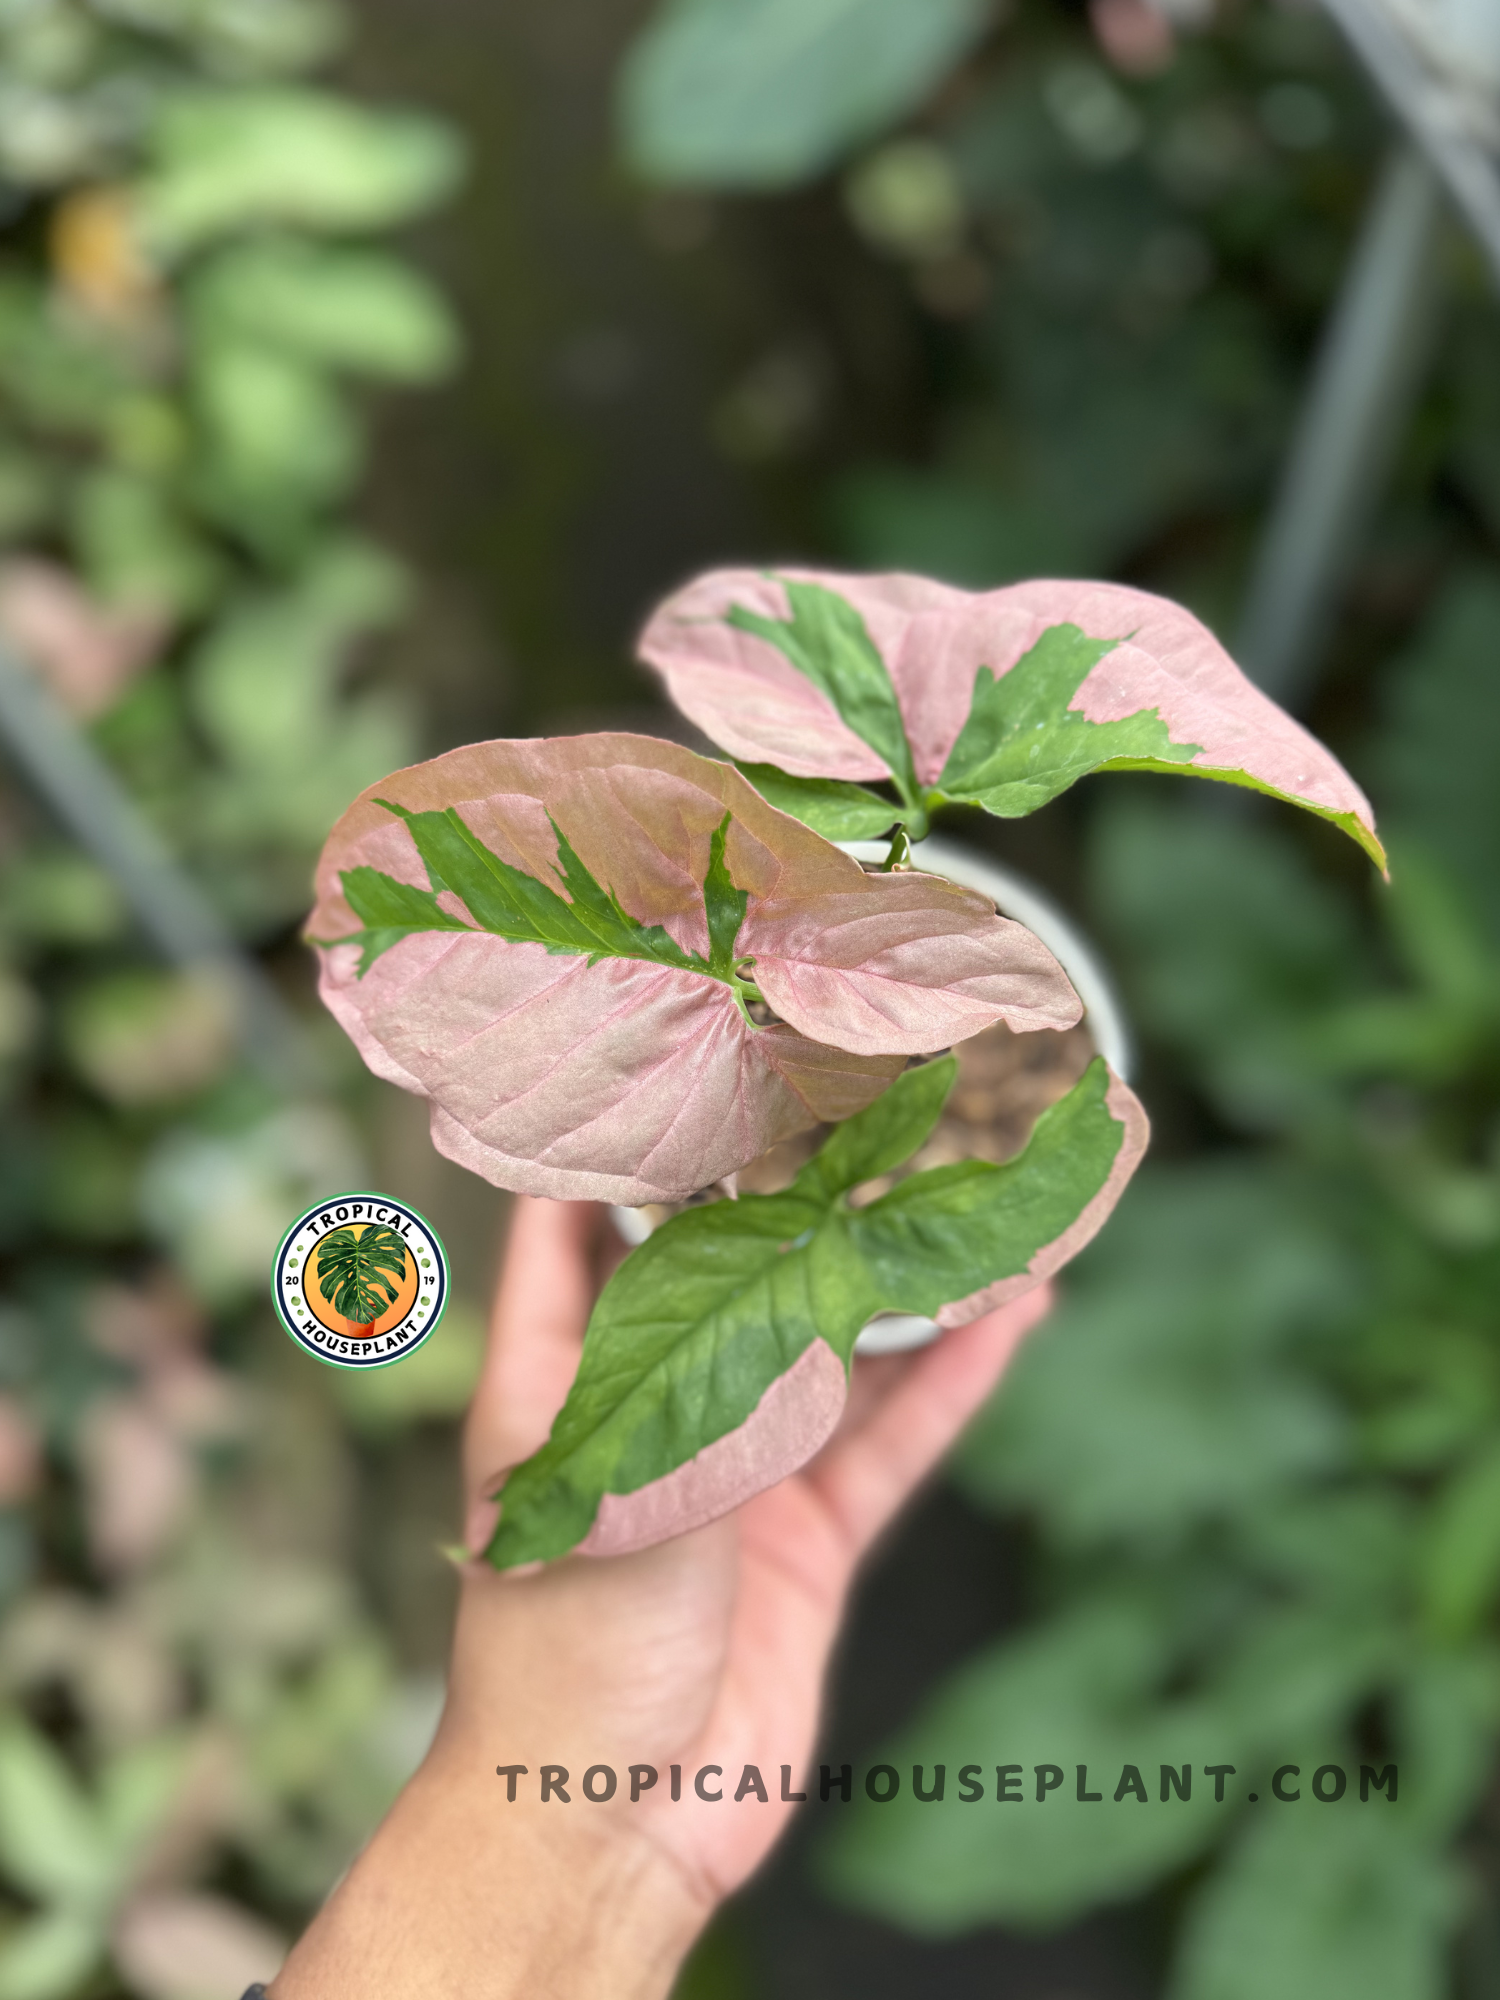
x=556, y=941
x=717, y=1357
x=1000, y=699
x=836, y=810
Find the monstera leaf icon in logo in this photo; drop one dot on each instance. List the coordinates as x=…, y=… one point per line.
x=361, y=1271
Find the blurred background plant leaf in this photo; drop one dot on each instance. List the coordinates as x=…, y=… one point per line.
x=763, y=93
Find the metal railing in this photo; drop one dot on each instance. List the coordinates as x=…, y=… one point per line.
x=1373, y=359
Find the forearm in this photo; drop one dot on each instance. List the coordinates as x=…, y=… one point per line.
x=460, y=1898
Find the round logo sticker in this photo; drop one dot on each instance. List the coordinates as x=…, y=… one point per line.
x=360, y=1280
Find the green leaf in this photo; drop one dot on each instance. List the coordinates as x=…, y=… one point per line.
x=267, y=681
x=50, y=1957
x=63, y=377
x=512, y=904
x=1323, y=1903
x=1077, y=1689
x=276, y=38
x=884, y=1135
x=362, y=1270
x=697, y=1323
x=1296, y=1672
x=135, y=545
x=281, y=431
x=1109, y=1683
x=826, y=639
x=1436, y=927
x=1165, y=1394
x=138, y=1787
x=1432, y=763
x=1021, y=744
x=227, y=159
x=763, y=93
x=1446, y=1710
x=333, y=306
x=943, y=1234
x=682, y=1345
x=52, y=1843
x=1461, y=1571
x=1236, y=949
x=837, y=810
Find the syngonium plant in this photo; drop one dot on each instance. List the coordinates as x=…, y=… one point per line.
x=621, y=971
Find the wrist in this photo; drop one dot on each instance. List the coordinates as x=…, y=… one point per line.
x=454, y=1897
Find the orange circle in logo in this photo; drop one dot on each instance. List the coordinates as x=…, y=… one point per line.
x=349, y=1329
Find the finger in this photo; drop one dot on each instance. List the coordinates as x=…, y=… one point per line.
x=872, y=1381
x=542, y=1306
x=866, y=1474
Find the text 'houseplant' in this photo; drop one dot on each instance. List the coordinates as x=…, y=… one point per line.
x=621, y=971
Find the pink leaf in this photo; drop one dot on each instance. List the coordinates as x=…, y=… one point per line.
x=633, y=1075
x=139, y=1482
x=20, y=1452
x=742, y=689
x=186, y=1945
x=87, y=652
x=919, y=965
x=793, y=1420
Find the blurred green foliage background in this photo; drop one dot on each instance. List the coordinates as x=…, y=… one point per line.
x=977, y=291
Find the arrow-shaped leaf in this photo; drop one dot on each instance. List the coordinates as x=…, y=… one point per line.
x=716, y=1358
x=999, y=698
x=559, y=944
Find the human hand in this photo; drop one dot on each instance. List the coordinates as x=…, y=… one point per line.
x=708, y=1649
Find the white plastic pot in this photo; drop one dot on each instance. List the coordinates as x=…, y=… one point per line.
x=1013, y=896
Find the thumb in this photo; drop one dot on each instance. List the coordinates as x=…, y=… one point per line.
x=542, y=1306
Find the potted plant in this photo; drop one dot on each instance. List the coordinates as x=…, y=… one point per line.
x=625, y=972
